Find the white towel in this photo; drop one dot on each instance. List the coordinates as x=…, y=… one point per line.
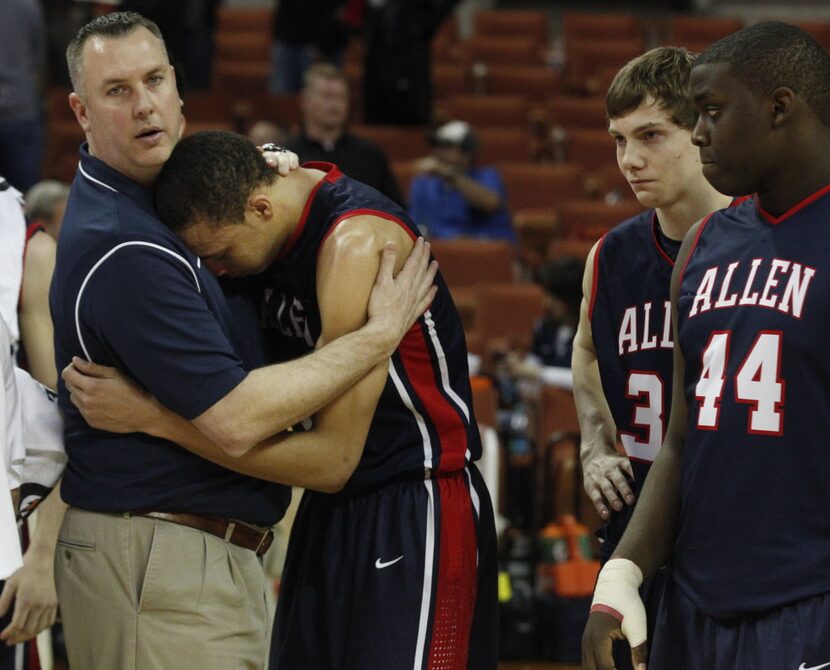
x=12, y=241
x=10, y=554
x=39, y=465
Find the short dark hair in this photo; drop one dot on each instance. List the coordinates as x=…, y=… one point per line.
x=114, y=24
x=209, y=177
x=771, y=54
x=663, y=74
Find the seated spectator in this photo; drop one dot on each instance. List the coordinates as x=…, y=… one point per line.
x=264, y=132
x=451, y=196
x=553, y=334
x=324, y=137
x=45, y=203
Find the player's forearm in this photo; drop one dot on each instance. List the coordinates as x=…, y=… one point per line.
x=37, y=337
x=651, y=532
x=271, y=399
x=50, y=515
x=596, y=424
x=322, y=459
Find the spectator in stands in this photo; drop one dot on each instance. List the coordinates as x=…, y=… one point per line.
x=45, y=203
x=553, y=334
x=265, y=132
x=22, y=61
x=305, y=32
x=325, y=108
x=397, y=81
x=451, y=196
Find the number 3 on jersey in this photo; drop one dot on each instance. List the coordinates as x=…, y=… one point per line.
x=757, y=383
x=647, y=387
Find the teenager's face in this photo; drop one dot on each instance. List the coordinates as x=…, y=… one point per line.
x=129, y=107
x=731, y=134
x=655, y=155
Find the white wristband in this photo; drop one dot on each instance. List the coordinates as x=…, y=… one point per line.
x=617, y=594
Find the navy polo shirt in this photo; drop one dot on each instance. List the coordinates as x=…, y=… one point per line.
x=127, y=293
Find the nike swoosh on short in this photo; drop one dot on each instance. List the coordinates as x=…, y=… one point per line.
x=379, y=564
x=814, y=667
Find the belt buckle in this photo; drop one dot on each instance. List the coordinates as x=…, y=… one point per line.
x=264, y=542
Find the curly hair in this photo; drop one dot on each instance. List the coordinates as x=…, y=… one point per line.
x=209, y=177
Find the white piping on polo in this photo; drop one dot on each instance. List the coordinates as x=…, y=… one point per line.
x=104, y=258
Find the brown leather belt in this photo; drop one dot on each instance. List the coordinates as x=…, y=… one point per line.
x=242, y=534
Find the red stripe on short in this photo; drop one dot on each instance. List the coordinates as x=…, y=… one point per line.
x=455, y=594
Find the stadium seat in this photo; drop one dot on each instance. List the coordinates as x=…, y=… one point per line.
x=535, y=186
x=503, y=111
x=465, y=263
x=519, y=23
x=499, y=50
x=505, y=315
x=499, y=145
x=580, y=26
x=536, y=83
x=399, y=143
x=244, y=19
x=590, y=148
x=575, y=111
x=698, y=32
x=591, y=219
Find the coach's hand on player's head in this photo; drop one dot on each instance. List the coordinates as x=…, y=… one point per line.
x=108, y=400
x=398, y=300
x=283, y=160
x=606, y=478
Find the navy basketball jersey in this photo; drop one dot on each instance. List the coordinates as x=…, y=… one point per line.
x=424, y=419
x=631, y=322
x=753, y=317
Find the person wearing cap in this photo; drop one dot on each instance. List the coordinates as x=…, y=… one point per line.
x=453, y=197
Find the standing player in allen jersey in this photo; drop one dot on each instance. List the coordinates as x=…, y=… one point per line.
x=622, y=358
x=738, y=496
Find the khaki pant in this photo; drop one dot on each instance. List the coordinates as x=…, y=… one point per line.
x=143, y=594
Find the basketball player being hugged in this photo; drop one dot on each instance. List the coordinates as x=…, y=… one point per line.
x=394, y=567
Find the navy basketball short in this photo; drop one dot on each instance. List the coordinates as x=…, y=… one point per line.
x=795, y=637
x=401, y=578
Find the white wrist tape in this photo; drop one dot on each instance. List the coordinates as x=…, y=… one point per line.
x=617, y=594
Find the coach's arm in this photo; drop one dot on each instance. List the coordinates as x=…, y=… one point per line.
x=322, y=459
